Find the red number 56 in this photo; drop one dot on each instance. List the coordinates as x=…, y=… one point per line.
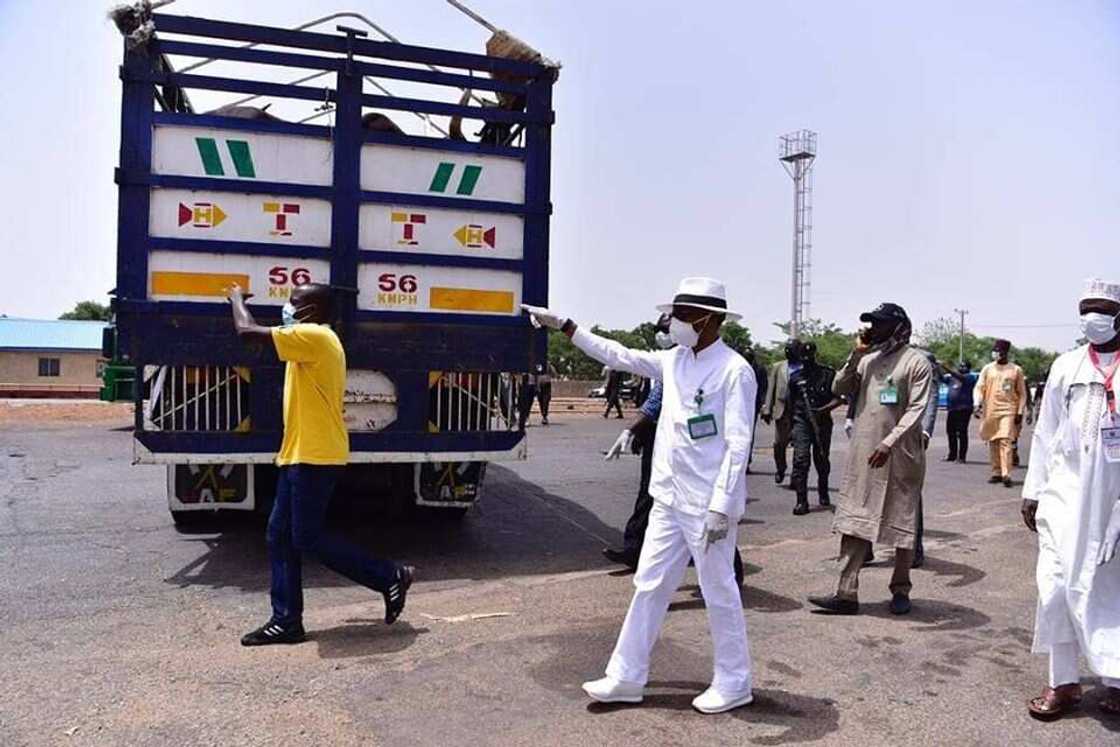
x=388, y=282
x=279, y=275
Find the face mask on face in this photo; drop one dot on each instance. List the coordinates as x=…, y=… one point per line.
x=995, y=355
x=1098, y=328
x=288, y=314
x=684, y=333
x=663, y=340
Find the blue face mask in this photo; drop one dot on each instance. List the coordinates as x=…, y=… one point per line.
x=288, y=315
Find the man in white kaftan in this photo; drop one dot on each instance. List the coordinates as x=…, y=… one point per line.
x=699, y=489
x=1072, y=499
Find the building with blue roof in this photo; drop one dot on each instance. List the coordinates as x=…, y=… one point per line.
x=50, y=357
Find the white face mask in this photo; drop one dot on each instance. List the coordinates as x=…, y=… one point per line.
x=288, y=315
x=1098, y=328
x=663, y=340
x=995, y=355
x=683, y=333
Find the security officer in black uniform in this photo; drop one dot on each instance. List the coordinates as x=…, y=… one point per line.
x=812, y=401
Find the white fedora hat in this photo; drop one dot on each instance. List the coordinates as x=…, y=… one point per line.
x=701, y=293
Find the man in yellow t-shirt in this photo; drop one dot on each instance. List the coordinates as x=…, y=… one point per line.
x=314, y=451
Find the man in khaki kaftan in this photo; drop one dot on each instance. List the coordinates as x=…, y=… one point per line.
x=886, y=460
x=1001, y=399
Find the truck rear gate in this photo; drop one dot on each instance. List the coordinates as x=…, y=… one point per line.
x=437, y=240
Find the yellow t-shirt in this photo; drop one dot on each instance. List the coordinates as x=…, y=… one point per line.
x=314, y=382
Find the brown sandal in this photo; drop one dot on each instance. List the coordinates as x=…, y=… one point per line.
x=1110, y=703
x=1055, y=702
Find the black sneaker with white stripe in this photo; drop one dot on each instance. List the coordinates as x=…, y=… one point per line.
x=271, y=632
x=397, y=592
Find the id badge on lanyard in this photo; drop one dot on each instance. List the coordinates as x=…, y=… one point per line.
x=888, y=395
x=701, y=426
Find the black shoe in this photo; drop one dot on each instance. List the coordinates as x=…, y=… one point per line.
x=835, y=605
x=823, y=499
x=1007, y=482
x=900, y=604
x=271, y=632
x=801, y=508
x=919, y=560
x=778, y=477
x=994, y=479
x=622, y=557
x=869, y=558
x=544, y=421
x=397, y=592
x=962, y=460
x=950, y=458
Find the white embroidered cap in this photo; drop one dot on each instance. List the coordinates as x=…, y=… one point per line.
x=1097, y=289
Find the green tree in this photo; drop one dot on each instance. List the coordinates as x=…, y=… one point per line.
x=88, y=311
x=737, y=337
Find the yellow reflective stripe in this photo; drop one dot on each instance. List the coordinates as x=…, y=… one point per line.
x=196, y=283
x=467, y=299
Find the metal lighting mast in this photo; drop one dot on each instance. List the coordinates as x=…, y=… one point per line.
x=797, y=152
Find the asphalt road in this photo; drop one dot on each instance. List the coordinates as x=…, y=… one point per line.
x=119, y=630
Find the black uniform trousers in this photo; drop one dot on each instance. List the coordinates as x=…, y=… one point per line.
x=807, y=449
x=956, y=427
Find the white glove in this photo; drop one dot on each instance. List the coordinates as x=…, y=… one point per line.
x=541, y=316
x=621, y=444
x=716, y=527
x=1111, y=537
x=849, y=425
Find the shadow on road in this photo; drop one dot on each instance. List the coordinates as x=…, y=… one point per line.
x=364, y=638
x=931, y=616
x=519, y=529
x=802, y=717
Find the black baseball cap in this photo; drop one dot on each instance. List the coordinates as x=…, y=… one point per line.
x=885, y=312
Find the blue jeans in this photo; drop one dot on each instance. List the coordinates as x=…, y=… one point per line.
x=297, y=526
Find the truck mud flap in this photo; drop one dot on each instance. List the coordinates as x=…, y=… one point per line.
x=449, y=484
x=210, y=487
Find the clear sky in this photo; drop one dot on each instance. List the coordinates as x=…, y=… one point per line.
x=968, y=151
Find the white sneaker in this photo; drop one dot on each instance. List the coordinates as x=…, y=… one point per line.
x=610, y=690
x=713, y=701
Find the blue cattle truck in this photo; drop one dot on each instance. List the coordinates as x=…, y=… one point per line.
x=432, y=240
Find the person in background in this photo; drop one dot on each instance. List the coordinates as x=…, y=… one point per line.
x=544, y=391
x=1000, y=399
x=526, y=393
x=762, y=379
x=699, y=487
x=776, y=410
x=613, y=391
x=886, y=461
x=812, y=401
x=929, y=422
x=314, y=449
x=1070, y=498
x=961, y=381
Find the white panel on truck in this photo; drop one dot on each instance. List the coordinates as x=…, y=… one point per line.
x=423, y=171
x=229, y=216
x=240, y=154
x=204, y=277
x=467, y=233
x=455, y=290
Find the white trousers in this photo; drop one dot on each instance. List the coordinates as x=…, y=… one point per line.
x=1063, y=666
x=670, y=538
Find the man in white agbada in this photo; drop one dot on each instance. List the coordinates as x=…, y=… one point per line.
x=699, y=489
x=1071, y=497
